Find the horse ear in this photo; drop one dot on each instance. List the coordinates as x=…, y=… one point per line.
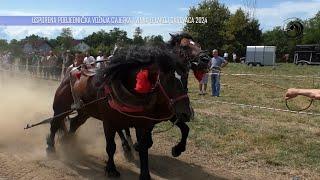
x=172, y=35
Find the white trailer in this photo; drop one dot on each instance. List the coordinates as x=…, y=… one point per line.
x=261, y=55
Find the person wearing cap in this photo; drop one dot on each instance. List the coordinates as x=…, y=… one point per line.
x=90, y=63
x=88, y=67
x=225, y=56
x=216, y=64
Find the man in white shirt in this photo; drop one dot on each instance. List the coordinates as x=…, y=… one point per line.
x=100, y=57
x=234, y=57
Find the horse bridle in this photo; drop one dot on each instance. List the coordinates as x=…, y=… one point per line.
x=171, y=101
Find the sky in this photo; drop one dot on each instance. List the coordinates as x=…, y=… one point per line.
x=270, y=13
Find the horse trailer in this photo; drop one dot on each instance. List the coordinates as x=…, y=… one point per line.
x=260, y=55
x=307, y=54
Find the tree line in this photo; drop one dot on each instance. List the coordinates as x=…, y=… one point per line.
x=232, y=32
x=226, y=31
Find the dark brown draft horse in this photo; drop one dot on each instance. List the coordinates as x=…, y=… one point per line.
x=165, y=98
x=188, y=53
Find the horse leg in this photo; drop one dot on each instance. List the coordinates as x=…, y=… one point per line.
x=125, y=146
x=128, y=136
x=149, y=141
x=181, y=146
x=111, y=149
x=143, y=138
x=56, y=124
x=76, y=122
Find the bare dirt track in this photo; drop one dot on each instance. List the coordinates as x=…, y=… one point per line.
x=23, y=155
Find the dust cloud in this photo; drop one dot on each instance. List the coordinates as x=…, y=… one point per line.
x=29, y=100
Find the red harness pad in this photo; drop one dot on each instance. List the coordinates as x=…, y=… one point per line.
x=119, y=106
x=76, y=74
x=143, y=84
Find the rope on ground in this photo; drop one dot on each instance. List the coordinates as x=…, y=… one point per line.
x=265, y=75
x=248, y=106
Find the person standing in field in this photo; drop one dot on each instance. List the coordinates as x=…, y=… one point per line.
x=100, y=59
x=234, y=57
x=216, y=64
x=67, y=60
x=225, y=56
x=204, y=82
x=52, y=63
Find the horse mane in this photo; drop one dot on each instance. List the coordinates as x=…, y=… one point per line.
x=176, y=38
x=132, y=58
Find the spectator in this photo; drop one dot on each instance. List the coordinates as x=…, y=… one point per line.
x=41, y=64
x=286, y=58
x=100, y=58
x=90, y=63
x=52, y=63
x=216, y=64
x=204, y=83
x=34, y=63
x=67, y=60
x=78, y=60
x=22, y=63
x=58, y=66
x=234, y=57
x=87, y=54
x=225, y=56
x=46, y=67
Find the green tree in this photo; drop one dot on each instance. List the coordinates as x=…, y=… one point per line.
x=312, y=30
x=3, y=45
x=276, y=37
x=119, y=36
x=153, y=40
x=65, y=39
x=15, y=47
x=241, y=31
x=210, y=34
x=137, y=36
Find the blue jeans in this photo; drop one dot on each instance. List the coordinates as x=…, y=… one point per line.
x=215, y=84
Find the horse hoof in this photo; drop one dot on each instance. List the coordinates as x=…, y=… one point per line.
x=129, y=156
x=175, y=152
x=113, y=173
x=51, y=151
x=145, y=177
x=136, y=147
x=126, y=148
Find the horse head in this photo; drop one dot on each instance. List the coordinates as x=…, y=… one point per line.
x=150, y=71
x=189, y=50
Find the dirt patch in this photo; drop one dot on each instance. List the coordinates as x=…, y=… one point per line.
x=23, y=155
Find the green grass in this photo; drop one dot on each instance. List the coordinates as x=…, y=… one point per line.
x=272, y=138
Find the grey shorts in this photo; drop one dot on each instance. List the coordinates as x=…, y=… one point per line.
x=204, y=79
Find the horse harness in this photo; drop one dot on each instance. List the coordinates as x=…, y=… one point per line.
x=126, y=109
x=110, y=92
